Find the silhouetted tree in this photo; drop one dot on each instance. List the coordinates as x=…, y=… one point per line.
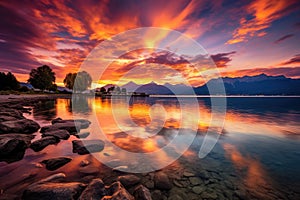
x=82, y=82
x=69, y=80
x=8, y=81
x=42, y=78
x=103, y=90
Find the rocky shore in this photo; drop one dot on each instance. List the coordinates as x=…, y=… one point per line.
x=79, y=176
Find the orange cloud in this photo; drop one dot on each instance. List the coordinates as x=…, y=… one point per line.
x=263, y=13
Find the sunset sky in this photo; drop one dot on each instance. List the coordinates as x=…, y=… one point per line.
x=243, y=37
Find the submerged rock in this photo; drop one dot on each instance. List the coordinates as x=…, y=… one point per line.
x=25, y=126
x=95, y=190
x=13, y=146
x=82, y=135
x=83, y=122
x=42, y=143
x=162, y=181
x=129, y=180
x=60, y=134
x=117, y=192
x=87, y=146
x=142, y=193
x=89, y=170
x=55, y=163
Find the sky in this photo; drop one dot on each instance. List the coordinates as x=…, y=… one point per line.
x=242, y=37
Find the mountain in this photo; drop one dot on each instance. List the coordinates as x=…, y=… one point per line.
x=247, y=85
x=130, y=86
x=254, y=85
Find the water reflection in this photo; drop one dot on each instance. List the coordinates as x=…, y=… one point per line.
x=44, y=110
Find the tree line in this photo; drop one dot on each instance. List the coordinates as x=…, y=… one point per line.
x=43, y=78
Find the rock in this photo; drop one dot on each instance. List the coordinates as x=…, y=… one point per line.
x=129, y=180
x=84, y=163
x=12, y=147
x=42, y=143
x=203, y=174
x=95, y=190
x=53, y=178
x=25, y=126
x=149, y=184
x=195, y=181
x=84, y=123
x=161, y=181
x=51, y=191
x=87, y=146
x=175, y=182
x=209, y=195
x=121, y=168
x=156, y=195
x=188, y=174
x=69, y=126
x=198, y=189
x=89, y=170
x=142, y=193
x=8, y=114
x=55, y=163
x=82, y=135
x=60, y=134
x=175, y=197
x=117, y=192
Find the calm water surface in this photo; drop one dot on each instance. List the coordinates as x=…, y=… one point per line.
x=257, y=155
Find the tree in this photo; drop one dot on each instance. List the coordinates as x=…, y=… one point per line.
x=103, y=90
x=124, y=90
x=69, y=80
x=82, y=82
x=8, y=81
x=42, y=78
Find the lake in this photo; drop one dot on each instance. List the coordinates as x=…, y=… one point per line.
x=257, y=154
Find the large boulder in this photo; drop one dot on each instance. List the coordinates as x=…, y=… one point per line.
x=55, y=163
x=95, y=190
x=87, y=146
x=25, y=126
x=60, y=134
x=117, y=192
x=13, y=146
x=42, y=143
x=8, y=114
x=53, y=191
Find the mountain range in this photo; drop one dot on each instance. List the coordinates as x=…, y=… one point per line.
x=247, y=85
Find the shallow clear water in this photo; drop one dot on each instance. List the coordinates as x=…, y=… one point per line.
x=256, y=157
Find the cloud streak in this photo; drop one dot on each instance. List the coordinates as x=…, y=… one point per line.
x=260, y=15
x=222, y=59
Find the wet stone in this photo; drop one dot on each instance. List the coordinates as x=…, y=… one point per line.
x=142, y=193
x=95, y=190
x=129, y=180
x=162, y=181
x=188, y=174
x=55, y=163
x=87, y=146
x=42, y=143
x=198, y=189
x=195, y=181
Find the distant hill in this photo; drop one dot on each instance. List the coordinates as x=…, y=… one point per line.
x=247, y=85
x=255, y=85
